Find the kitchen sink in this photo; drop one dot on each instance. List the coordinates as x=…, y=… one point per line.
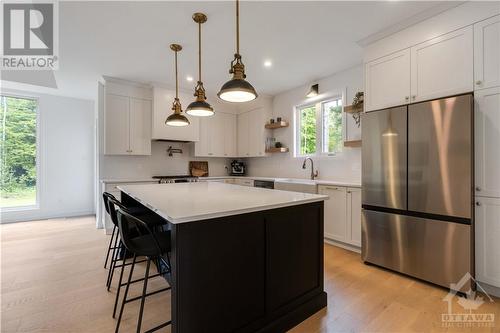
x=296, y=185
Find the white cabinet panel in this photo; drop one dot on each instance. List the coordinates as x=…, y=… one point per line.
x=354, y=215
x=335, y=212
x=162, y=108
x=487, y=244
x=216, y=135
x=140, y=126
x=229, y=130
x=243, y=134
x=487, y=53
x=387, y=81
x=487, y=142
x=442, y=66
x=116, y=125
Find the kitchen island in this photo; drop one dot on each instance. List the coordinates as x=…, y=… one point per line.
x=243, y=259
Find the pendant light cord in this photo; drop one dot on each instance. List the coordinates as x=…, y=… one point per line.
x=176, y=78
x=199, y=52
x=237, y=27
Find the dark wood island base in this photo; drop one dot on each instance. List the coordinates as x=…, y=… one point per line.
x=254, y=272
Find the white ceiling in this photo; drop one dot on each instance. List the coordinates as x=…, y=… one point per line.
x=304, y=40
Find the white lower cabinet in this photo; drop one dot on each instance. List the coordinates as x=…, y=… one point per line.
x=487, y=240
x=342, y=214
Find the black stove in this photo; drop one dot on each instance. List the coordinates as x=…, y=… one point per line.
x=176, y=179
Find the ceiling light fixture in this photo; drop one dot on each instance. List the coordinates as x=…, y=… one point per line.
x=314, y=91
x=237, y=89
x=176, y=118
x=268, y=63
x=189, y=78
x=199, y=107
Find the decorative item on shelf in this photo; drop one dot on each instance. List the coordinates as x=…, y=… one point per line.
x=270, y=143
x=271, y=121
x=199, y=107
x=198, y=168
x=176, y=118
x=276, y=124
x=314, y=91
x=237, y=89
x=356, y=108
x=278, y=145
x=171, y=151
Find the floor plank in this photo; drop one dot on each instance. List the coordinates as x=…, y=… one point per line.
x=52, y=280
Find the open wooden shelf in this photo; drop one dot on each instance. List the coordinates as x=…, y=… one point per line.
x=352, y=143
x=353, y=109
x=280, y=124
x=277, y=150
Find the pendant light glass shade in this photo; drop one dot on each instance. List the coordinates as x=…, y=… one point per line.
x=237, y=89
x=176, y=118
x=199, y=107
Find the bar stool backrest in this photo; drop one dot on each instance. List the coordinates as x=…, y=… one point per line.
x=129, y=226
x=106, y=196
x=112, y=204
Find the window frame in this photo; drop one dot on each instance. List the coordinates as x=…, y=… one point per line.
x=319, y=127
x=38, y=186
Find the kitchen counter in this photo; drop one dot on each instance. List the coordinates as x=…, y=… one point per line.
x=290, y=180
x=186, y=202
x=130, y=180
x=243, y=259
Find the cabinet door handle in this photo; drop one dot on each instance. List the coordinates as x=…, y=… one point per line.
x=332, y=188
x=479, y=82
x=478, y=189
x=413, y=97
x=407, y=98
x=478, y=203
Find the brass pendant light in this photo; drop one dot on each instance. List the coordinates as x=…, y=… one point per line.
x=199, y=107
x=237, y=89
x=176, y=118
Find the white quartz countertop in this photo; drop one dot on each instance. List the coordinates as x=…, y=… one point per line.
x=291, y=180
x=187, y=202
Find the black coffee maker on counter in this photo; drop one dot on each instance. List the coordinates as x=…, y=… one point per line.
x=237, y=168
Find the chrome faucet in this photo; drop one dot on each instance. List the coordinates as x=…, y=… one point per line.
x=313, y=173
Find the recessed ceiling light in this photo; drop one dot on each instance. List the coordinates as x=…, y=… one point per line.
x=189, y=78
x=268, y=63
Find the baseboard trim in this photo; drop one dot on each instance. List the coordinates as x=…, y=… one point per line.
x=491, y=290
x=345, y=246
x=47, y=217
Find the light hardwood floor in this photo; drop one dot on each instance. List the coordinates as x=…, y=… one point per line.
x=52, y=280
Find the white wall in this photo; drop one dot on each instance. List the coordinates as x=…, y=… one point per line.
x=345, y=166
x=66, y=156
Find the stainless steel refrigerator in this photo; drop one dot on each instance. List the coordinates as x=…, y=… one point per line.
x=417, y=189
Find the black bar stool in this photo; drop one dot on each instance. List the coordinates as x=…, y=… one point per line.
x=105, y=197
x=153, y=245
x=153, y=221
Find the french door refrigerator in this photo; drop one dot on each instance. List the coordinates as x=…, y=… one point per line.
x=417, y=189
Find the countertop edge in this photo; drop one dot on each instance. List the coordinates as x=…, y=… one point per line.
x=318, y=198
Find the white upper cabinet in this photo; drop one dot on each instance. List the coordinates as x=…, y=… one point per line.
x=127, y=118
x=243, y=134
x=162, y=108
x=140, y=126
x=217, y=136
x=442, y=66
x=252, y=133
x=387, y=81
x=487, y=53
x=487, y=140
x=487, y=245
x=116, y=125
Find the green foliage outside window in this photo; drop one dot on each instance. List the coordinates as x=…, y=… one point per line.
x=331, y=131
x=308, y=130
x=332, y=126
x=17, y=151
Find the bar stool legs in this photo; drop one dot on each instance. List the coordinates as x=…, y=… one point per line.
x=125, y=294
x=110, y=246
x=143, y=298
